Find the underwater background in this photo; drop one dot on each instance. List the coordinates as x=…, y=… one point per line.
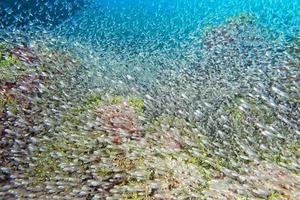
x=140, y=99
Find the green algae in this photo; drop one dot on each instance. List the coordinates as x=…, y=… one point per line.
x=88, y=103
x=6, y=64
x=116, y=100
x=93, y=99
x=136, y=103
x=10, y=67
x=132, y=101
x=8, y=61
x=133, y=196
x=274, y=195
x=103, y=172
x=6, y=58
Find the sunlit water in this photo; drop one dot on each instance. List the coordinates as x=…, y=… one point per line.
x=158, y=99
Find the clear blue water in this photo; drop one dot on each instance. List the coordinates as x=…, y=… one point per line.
x=156, y=20
x=161, y=21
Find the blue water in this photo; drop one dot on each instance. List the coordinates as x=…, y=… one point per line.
x=162, y=21
x=129, y=24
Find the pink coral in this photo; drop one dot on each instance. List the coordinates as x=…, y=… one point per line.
x=25, y=54
x=118, y=117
